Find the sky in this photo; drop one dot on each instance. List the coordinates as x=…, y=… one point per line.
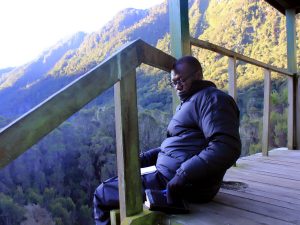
x=27, y=27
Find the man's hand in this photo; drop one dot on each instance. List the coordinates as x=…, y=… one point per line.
x=149, y=158
x=175, y=188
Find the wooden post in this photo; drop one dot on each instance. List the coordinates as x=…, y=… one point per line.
x=179, y=28
x=232, y=77
x=130, y=189
x=297, y=110
x=266, y=115
x=179, y=33
x=293, y=89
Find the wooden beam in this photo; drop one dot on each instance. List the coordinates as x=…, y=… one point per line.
x=229, y=53
x=27, y=130
x=179, y=28
x=293, y=108
x=297, y=116
x=127, y=136
x=179, y=33
x=266, y=113
x=155, y=57
x=232, y=79
x=291, y=113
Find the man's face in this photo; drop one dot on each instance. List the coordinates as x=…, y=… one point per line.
x=183, y=78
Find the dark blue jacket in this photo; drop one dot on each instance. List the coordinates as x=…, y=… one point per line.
x=203, y=136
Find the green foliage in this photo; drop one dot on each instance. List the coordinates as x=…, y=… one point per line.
x=33, y=196
x=10, y=212
x=48, y=195
x=19, y=196
x=74, y=159
x=278, y=118
x=255, y=148
x=62, y=171
x=60, y=213
x=37, y=215
x=84, y=215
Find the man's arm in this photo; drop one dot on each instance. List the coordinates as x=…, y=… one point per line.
x=149, y=157
x=219, y=120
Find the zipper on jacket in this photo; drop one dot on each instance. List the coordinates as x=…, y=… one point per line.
x=180, y=104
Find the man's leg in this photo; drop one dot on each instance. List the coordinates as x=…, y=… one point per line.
x=106, y=196
x=204, y=191
x=200, y=194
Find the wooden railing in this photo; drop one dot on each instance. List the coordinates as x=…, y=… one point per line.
x=118, y=70
x=232, y=82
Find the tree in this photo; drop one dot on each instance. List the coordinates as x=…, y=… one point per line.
x=10, y=212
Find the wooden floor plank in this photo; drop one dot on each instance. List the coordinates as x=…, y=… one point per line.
x=270, y=193
x=285, y=152
x=280, y=154
x=271, y=170
x=262, y=197
x=270, y=173
x=282, y=193
x=271, y=161
x=278, y=158
x=219, y=214
x=258, y=207
x=293, y=161
x=277, y=181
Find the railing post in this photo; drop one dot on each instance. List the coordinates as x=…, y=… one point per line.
x=266, y=115
x=293, y=88
x=232, y=77
x=179, y=33
x=297, y=110
x=130, y=189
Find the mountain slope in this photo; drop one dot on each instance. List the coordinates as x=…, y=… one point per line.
x=27, y=85
x=254, y=29
x=60, y=173
x=149, y=25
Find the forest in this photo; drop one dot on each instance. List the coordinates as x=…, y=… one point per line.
x=54, y=181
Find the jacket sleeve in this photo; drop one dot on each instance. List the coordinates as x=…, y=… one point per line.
x=149, y=157
x=218, y=118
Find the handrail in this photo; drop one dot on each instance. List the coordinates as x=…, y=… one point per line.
x=232, y=82
x=118, y=70
x=28, y=129
x=212, y=47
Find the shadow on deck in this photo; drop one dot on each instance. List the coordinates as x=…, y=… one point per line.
x=260, y=190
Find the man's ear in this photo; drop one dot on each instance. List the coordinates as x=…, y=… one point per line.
x=199, y=75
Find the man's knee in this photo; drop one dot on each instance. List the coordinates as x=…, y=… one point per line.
x=99, y=196
x=106, y=195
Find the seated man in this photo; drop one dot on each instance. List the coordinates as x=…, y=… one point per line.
x=202, y=143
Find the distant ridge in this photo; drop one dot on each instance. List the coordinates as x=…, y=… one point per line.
x=257, y=31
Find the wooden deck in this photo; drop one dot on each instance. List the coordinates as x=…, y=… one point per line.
x=260, y=190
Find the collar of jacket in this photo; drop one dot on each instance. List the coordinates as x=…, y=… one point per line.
x=197, y=86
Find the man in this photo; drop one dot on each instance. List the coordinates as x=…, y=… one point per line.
x=202, y=143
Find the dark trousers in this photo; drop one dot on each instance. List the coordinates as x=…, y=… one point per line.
x=106, y=196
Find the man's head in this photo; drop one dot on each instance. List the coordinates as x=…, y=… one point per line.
x=186, y=71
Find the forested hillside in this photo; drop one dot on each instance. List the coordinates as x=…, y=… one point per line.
x=26, y=86
x=53, y=182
